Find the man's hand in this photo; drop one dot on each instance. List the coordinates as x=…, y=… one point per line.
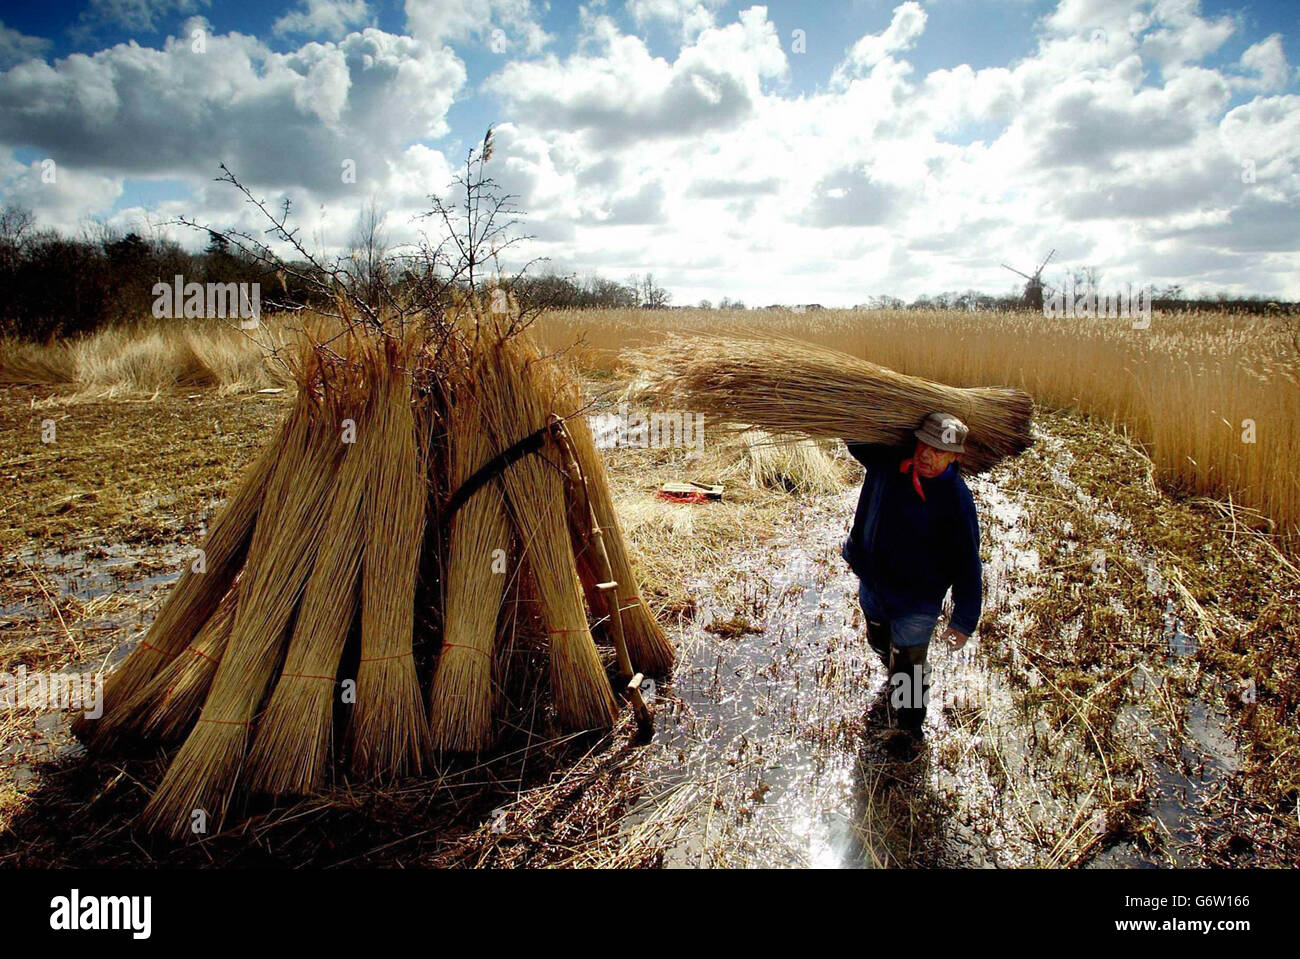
x=955, y=639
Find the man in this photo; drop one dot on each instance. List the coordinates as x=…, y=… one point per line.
x=915, y=534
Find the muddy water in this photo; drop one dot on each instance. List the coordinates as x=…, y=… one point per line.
x=91, y=573
x=1204, y=758
x=760, y=727
x=1188, y=769
x=768, y=731
x=102, y=593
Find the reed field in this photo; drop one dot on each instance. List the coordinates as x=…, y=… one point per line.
x=152, y=356
x=1213, y=398
x=1182, y=388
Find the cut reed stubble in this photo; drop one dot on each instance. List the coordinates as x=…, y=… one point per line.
x=192, y=601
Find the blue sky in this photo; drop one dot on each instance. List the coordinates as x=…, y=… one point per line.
x=782, y=152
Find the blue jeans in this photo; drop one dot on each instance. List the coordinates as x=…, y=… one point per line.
x=913, y=629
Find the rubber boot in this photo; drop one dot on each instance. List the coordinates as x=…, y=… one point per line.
x=878, y=639
x=909, y=685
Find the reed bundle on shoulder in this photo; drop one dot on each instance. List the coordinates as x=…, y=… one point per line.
x=788, y=386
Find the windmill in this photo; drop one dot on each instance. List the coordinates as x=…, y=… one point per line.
x=1034, y=288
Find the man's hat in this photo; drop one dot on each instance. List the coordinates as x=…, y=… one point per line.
x=943, y=431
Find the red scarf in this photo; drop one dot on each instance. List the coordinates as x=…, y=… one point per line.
x=910, y=464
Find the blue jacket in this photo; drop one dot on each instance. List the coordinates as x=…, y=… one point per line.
x=910, y=552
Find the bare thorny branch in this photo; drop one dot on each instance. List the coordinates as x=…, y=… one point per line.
x=396, y=289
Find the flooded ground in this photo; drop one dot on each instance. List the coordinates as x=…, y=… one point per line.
x=765, y=753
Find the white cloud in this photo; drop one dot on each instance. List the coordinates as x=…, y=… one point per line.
x=288, y=119
x=323, y=18
x=690, y=17
x=905, y=28
x=1114, y=140
x=287, y=124
x=857, y=189
x=507, y=26
x=61, y=197
x=1082, y=18
x=1267, y=62
x=16, y=46
x=138, y=16
x=1179, y=35
x=618, y=93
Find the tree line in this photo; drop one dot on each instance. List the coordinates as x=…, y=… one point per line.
x=63, y=286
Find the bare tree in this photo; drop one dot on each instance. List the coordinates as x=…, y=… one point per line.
x=1086, y=279
x=16, y=226
x=653, y=296
x=369, y=251
x=372, y=284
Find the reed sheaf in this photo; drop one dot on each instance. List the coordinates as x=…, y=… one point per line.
x=169, y=706
x=647, y=643
x=294, y=741
x=203, y=775
x=788, y=386
x=460, y=706
x=390, y=735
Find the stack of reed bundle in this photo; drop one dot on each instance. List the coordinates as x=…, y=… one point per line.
x=789, y=386
x=314, y=564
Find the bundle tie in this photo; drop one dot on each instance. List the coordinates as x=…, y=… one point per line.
x=484, y=653
x=226, y=722
x=378, y=659
x=203, y=655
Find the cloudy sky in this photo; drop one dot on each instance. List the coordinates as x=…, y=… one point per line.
x=788, y=152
